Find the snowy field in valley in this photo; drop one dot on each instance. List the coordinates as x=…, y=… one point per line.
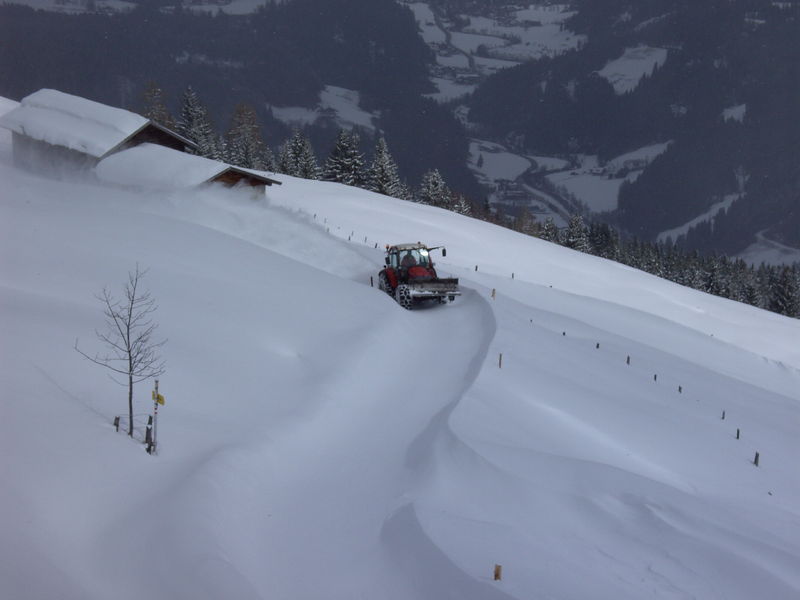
x=769, y=252
x=492, y=162
x=524, y=34
x=625, y=72
x=426, y=21
x=341, y=103
x=318, y=441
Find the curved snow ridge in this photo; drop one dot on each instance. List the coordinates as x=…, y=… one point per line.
x=421, y=450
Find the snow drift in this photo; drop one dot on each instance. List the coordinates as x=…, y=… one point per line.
x=320, y=442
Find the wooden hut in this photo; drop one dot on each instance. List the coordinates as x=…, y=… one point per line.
x=52, y=131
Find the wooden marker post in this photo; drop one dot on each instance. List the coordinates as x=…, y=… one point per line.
x=157, y=399
x=498, y=572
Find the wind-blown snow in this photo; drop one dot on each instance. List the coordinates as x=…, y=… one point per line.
x=156, y=167
x=319, y=441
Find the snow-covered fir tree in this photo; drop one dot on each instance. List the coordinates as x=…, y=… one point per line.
x=297, y=157
x=155, y=107
x=549, y=231
x=382, y=176
x=244, y=144
x=577, y=236
x=345, y=163
x=785, y=298
x=434, y=191
x=461, y=205
x=194, y=123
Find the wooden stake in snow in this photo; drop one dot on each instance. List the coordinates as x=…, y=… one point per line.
x=371, y=284
x=680, y=389
x=498, y=572
x=655, y=377
x=476, y=267
x=755, y=460
x=500, y=361
x=494, y=293
x=629, y=360
x=723, y=415
x=597, y=347
x=737, y=433
x=116, y=423
x=512, y=275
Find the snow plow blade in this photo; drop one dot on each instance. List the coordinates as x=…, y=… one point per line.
x=434, y=289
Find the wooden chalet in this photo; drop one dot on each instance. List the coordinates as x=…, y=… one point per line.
x=55, y=131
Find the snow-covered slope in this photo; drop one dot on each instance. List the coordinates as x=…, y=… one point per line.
x=320, y=442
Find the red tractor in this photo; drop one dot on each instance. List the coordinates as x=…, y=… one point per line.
x=409, y=276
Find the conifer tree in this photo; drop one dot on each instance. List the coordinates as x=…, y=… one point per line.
x=462, y=206
x=345, y=163
x=526, y=223
x=154, y=106
x=577, y=236
x=785, y=297
x=194, y=124
x=244, y=144
x=382, y=176
x=434, y=191
x=297, y=157
x=549, y=231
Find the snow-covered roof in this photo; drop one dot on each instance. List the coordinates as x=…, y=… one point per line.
x=155, y=167
x=72, y=122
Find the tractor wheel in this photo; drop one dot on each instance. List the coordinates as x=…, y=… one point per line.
x=383, y=284
x=403, y=296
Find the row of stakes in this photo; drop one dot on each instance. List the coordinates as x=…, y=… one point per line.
x=627, y=362
x=564, y=334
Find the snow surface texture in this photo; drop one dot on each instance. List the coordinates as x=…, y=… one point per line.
x=76, y=123
x=320, y=442
x=625, y=72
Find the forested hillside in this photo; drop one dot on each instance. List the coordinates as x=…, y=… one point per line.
x=728, y=96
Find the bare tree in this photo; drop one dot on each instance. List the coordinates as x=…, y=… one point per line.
x=131, y=350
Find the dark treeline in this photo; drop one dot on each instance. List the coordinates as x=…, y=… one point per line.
x=772, y=287
x=282, y=55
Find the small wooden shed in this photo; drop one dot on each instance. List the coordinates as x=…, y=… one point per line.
x=151, y=166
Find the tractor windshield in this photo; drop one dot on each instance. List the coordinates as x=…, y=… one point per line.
x=413, y=257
